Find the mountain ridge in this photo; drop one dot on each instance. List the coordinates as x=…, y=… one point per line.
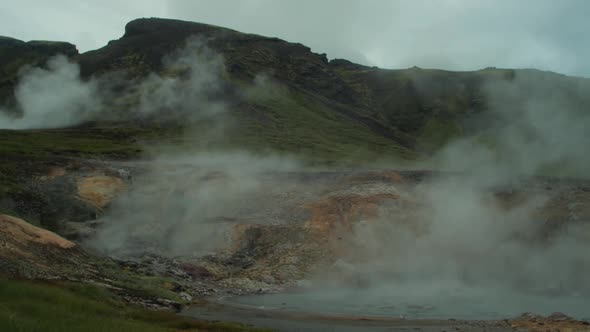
x=413, y=109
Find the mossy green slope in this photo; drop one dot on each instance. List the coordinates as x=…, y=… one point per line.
x=27, y=306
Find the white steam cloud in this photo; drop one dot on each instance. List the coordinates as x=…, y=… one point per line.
x=186, y=205
x=191, y=78
x=185, y=202
x=456, y=247
x=462, y=232
x=187, y=88
x=493, y=237
x=536, y=124
x=53, y=97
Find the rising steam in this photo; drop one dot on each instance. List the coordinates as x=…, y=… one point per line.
x=532, y=127
x=186, y=205
x=53, y=97
x=187, y=88
x=492, y=229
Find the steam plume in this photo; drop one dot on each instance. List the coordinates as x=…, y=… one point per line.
x=53, y=97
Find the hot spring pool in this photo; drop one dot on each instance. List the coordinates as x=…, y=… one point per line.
x=423, y=302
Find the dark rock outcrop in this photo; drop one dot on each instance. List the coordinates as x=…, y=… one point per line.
x=12, y=49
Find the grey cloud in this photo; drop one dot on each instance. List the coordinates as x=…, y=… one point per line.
x=451, y=34
x=447, y=34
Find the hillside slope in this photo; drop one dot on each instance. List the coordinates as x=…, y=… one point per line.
x=332, y=108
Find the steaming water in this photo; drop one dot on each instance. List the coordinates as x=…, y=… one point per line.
x=422, y=301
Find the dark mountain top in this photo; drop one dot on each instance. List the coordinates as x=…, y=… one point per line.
x=12, y=48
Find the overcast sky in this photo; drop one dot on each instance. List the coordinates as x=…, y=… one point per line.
x=448, y=34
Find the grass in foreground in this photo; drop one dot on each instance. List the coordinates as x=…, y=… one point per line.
x=41, y=306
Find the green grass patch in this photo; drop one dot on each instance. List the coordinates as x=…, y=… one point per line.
x=436, y=133
x=293, y=123
x=90, y=142
x=41, y=306
x=285, y=121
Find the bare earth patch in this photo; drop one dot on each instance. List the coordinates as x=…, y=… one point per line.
x=100, y=190
x=553, y=322
x=24, y=233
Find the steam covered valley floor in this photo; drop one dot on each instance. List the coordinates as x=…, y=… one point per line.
x=215, y=228
x=311, y=227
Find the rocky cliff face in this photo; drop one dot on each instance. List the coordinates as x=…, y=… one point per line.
x=13, y=49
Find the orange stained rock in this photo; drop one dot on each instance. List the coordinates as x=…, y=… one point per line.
x=382, y=176
x=237, y=232
x=18, y=230
x=55, y=172
x=340, y=212
x=542, y=324
x=100, y=190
